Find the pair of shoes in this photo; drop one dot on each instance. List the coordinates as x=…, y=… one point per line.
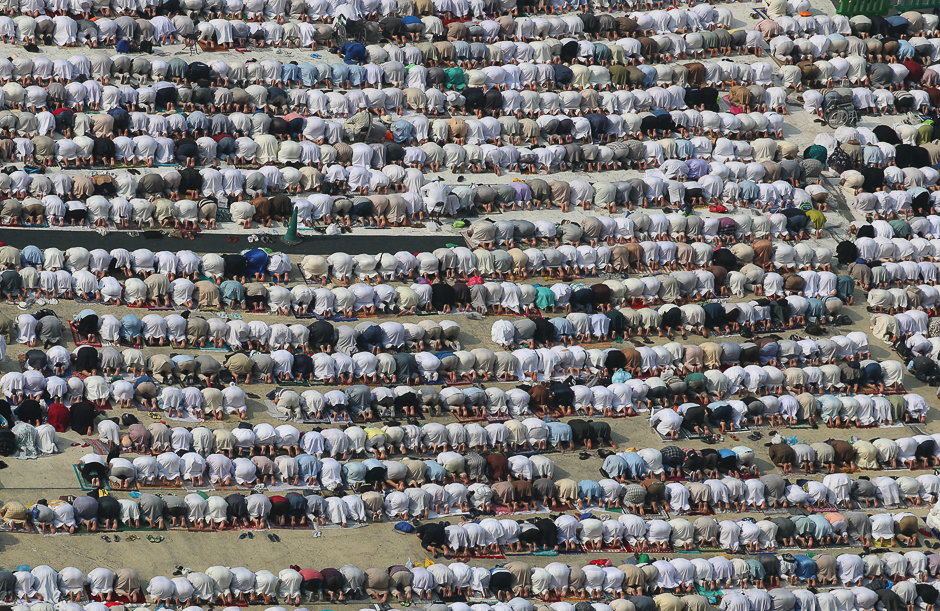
x=274, y=538
x=244, y=535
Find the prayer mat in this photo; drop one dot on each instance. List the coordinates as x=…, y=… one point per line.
x=99, y=447
x=158, y=484
x=606, y=549
x=500, y=556
x=116, y=600
x=468, y=419
x=646, y=548
x=80, y=340
x=83, y=483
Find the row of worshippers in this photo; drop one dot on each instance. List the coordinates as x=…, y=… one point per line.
x=917, y=452
x=905, y=146
x=509, y=437
x=893, y=291
x=883, y=188
x=254, y=295
x=643, y=234
x=271, y=10
x=782, y=306
x=561, y=143
x=784, y=33
x=651, y=230
x=72, y=90
x=624, y=322
x=895, y=200
x=835, y=410
x=913, y=149
x=258, y=336
x=309, y=24
x=519, y=495
x=194, y=194
x=910, y=327
x=740, y=265
x=778, y=31
x=502, y=24
x=704, y=490
x=506, y=40
x=642, y=376
x=894, y=241
x=714, y=273
x=424, y=88
x=78, y=85
x=345, y=351
x=630, y=586
x=907, y=296
x=883, y=243
x=474, y=293
x=306, y=470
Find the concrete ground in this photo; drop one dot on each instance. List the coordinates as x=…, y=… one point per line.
x=376, y=545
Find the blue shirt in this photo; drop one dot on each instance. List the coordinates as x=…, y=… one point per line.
x=434, y=472
x=636, y=466
x=353, y=52
x=589, y=489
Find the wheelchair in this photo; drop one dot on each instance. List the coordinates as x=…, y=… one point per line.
x=841, y=112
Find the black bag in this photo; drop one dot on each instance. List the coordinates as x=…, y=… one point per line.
x=7, y=442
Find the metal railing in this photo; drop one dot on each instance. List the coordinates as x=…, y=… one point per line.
x=876, y=8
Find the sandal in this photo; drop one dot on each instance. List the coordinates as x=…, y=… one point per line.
x=106, y=538
x=155, y=539
x=117, y=538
